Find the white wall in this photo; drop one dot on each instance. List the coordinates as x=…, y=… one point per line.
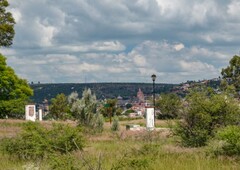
x=30, y=112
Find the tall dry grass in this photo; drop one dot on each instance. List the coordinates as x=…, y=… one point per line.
x=155, y=150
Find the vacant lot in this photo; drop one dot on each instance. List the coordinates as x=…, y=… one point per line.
x=123, y=150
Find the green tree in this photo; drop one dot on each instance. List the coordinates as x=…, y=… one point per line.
x=110, y=108
x=85, y=108
x=128, y=106
x=231, y=74
x=204, y=114
x=170, y=106
x=15, y=92
x=6, y=25
x=59, y=107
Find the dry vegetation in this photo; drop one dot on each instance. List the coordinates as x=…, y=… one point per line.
x=125, y=150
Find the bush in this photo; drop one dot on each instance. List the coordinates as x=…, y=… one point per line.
x=138, y=158
x=229, y=141
x=63, y=162
x=32, y=143
x=170, y=106
x=127, y=112
x=36, y=142
x=126, y=118
x=192, y=136
x=206, y=113
x=165, y=116
x=115, y=124
x=98, y=122
x=64, y=138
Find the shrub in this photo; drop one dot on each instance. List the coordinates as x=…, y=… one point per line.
x=64, y=138
x=115, y=124
x=170, y=106
x=138, y=158
x=127, y=112
x=195, y=137
x=59, y=109
x=98, y=122
x=32, y=143
x=36, y=142
x=124, y=118
x=204, y=114
x=228, y=140
x=63, y=162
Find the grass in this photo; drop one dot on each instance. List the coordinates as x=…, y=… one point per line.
x=158, y=123
x=126, y=150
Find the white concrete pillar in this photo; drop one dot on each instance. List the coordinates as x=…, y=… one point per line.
x=40, y=114
x=150, y=118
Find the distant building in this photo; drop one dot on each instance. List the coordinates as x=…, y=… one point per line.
x=140, y=96
x=45, y=107
x=120, y=102
x=139, y=104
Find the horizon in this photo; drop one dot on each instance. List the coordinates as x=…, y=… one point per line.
x=36, y=83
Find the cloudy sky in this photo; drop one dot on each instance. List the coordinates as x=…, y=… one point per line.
x=78, y=41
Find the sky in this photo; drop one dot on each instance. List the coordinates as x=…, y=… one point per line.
x=93, y=41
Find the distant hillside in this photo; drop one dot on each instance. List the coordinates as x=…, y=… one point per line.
x=102, y=90
x=113, y=90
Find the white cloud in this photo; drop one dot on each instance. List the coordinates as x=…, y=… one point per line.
x=143, y=60
x=179, y=47
x=46, y=32
x=204, y=52
x=79, y=68
x=7, y=51
x=95, y=46
x=139, y=60
x=118, y=69
x=207, y=38
x=196, y=66
x=178, y=39
x=16, y=14
x=233, y=9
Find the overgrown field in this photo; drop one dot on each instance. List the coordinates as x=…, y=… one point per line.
x=114, y=150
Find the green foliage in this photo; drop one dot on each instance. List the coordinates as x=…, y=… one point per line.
x=36, y=142
x=227, y=88
x=126, y=118
x=140, y=158
x=59, y=107
x=31, y=144
x=65, y=139
x=85, y=108
x=204, y=114
x=63, y=162
x=102, y=90
x=98, y=122
x=170, y=106
x=115, y=124
x=110, y=108
x=232, y=73
x=128, y=105
x=15, y=92
x=127, y=112
x=6, y=25
x=229, y=140
x=118, y=111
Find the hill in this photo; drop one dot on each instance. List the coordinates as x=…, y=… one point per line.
x=102, y=90
x=113, y=90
